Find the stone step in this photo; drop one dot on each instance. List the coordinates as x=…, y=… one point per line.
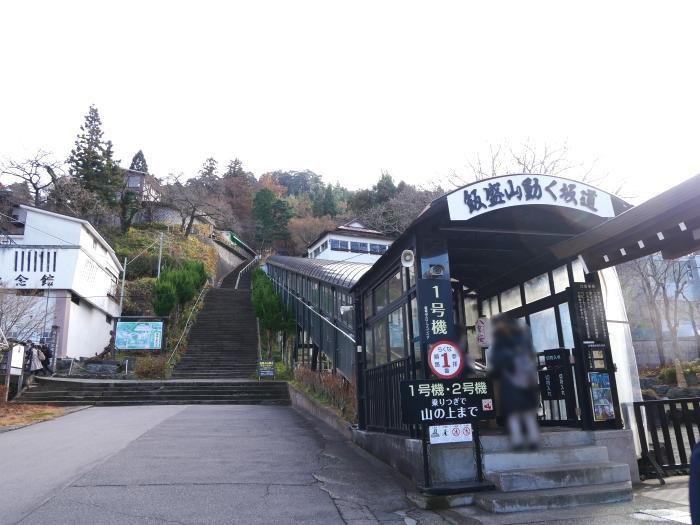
x=544, y=458
x=559, y=477
x=555, y=498
x=548, y=439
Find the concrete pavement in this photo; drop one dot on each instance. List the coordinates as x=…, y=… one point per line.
x=196, y=464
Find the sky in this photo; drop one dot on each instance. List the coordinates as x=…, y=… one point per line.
x=348, y=89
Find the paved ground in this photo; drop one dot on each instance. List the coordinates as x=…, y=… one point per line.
x=195, y=464
x=237, y=464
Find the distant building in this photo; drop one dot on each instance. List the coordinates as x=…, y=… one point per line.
x=352, y=241
x=64, y=276
x=138, y=182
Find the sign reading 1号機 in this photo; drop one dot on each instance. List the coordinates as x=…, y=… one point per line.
x=139, y=334
x=266, y=369
x=446, y=402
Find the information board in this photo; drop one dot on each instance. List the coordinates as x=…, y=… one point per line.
x=446, y=402
x=590, y=312
x=139, y=335
x=266, y=369
x=440, y=434
x=435, y=305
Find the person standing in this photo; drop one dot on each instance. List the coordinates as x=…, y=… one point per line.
x=35, y=358
x=513, y=364
x=46, y=362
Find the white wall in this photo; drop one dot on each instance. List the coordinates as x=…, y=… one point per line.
x=334, y=255
x=88, y=330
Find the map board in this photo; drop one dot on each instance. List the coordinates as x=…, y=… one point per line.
x=139, y=335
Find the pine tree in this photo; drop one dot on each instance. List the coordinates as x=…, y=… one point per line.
x=330, y=207
x=138, y=162
x=234, y=169
x=91, y=162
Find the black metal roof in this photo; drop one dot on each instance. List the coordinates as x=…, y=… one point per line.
x=343, y=274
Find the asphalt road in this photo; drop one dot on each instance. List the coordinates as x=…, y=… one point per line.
x=195, y=464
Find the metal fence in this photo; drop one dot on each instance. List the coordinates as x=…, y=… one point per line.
x=668, y=430
x=382, y=397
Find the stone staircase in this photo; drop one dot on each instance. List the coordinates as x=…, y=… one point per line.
x=568, y=470
x=105, y=392
x=223, y=342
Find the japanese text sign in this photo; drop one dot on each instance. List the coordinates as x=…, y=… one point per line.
x=446, y=402
x=445, y=359
x=435, y=304
x=518, y=190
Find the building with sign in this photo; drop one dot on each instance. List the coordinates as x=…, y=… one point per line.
x=352, y=241
x=536, y=248
x=69, y=274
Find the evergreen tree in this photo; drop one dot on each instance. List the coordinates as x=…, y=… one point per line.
x=271, y=216
x=91, y=162
x=138, y=163
x=234, y=169
x=330, y=207
x=209, y=174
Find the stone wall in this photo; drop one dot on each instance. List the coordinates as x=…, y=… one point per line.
x=648, y=356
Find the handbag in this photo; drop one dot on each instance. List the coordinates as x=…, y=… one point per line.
x=40, y=355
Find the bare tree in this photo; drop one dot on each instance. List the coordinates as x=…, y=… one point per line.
x=504, y=159
x=691, y=307
x=663, y=284
x=195, y=199
x=23, y=315
x=40, y=172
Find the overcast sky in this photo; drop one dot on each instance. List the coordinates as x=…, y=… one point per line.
x=347, y=89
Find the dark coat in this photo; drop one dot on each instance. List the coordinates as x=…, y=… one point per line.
x=513, y=364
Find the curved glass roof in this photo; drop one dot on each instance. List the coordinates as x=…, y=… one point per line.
x=338, y=273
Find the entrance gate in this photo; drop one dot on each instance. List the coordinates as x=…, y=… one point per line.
x=557, y=388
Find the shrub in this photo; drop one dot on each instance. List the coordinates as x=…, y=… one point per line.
x=138, y=297
x=183, y=281
x=164, y=297
x=333, y=389
x=150, y=367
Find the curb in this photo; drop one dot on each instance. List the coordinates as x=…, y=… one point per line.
x=331, y=417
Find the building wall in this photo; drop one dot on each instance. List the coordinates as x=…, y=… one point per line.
x=335, y=255
x=88, y=330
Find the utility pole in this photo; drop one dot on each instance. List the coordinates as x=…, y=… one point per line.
x=160, y=254
x=121, y=294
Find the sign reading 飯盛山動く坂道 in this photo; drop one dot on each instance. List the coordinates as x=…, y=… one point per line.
x=519, y=190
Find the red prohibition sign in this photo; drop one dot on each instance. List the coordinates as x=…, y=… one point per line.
x=439, y=346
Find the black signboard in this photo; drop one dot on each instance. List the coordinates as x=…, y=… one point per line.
x=595, y=370
x=589, y=310
x=553, y=384
x=446, y=402
x=435, y=305
x=554, y=357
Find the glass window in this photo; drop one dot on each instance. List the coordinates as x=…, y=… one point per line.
x=395, y=289
x=577, y=268
x=561, y=279
x=358, y=247
x=494, y=305
x=377, y=249
x=339, y=245
x=367, y=305
x=470, y=312
x=510, y=299
x=380, y=343
x=543, y=326
x=414, y=318
x=566, y=330
x=397, y=339
x=486, y=308
x=537, y=288
x=380, y=297
x=369, y=347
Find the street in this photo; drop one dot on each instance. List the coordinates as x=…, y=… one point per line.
x=195, y=464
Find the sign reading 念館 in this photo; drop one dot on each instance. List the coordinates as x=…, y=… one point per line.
x=519, y=190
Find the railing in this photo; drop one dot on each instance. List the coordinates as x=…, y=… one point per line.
x=382, y=398
x=245, y=269
x=656, y=420
x=187, y=323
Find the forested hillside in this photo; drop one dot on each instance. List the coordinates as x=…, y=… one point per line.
x=276, y=211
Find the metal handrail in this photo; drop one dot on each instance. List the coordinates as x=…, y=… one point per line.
x=245, y=268
x=184, y=331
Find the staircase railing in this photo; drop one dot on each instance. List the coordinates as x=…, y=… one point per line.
x=187, y=323
x=245, y=269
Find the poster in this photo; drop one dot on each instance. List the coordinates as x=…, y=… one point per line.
x=601, y=396
x=139, y=335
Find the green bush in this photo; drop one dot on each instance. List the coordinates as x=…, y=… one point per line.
x=138, y=297
x=164, y=297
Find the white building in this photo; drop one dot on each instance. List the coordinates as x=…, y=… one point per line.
x=352, y=241
x=69, y=273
